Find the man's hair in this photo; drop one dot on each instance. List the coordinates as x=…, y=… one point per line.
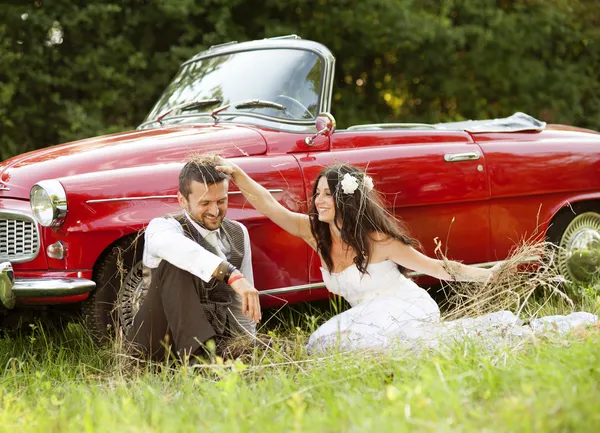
x=200, y=168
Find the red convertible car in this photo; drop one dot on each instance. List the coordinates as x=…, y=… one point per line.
x=71, y=215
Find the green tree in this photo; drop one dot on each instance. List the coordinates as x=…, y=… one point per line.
x=72, y=68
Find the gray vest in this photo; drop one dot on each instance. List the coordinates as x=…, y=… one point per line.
x=230, y=230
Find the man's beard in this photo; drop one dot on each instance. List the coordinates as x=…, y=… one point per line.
x=201, y=223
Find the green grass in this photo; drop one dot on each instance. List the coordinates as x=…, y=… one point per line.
x=63, y=382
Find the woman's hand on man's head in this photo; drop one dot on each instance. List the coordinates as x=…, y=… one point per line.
x=226, y=166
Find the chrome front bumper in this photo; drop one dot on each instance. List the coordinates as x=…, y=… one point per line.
x=11, y=289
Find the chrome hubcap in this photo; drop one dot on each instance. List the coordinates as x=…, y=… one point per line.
x=579, y=256
x=131, y=295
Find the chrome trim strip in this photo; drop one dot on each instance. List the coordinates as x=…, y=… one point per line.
x=23, y=217
x=230, y=115
x=260, y=45
x=272, y=191
x=291, y=289
x=304, y=287
x=149, y=197
x=158, y=197
x=402, y=126
x=46, y=287
x=328, y=82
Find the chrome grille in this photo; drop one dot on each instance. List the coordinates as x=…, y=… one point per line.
x=19, y=237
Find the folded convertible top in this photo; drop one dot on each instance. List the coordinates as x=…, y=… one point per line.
x=515, y=123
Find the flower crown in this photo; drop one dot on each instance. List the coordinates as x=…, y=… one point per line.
x=350, y=183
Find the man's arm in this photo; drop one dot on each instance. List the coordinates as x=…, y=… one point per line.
x=246, y=269
x=165, y=239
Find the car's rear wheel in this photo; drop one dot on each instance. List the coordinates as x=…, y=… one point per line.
x=578, y=239
x=114, y=271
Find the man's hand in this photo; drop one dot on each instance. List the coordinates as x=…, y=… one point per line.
x=250, y=300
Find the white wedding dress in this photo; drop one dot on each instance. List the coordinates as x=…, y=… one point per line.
x=390, y=310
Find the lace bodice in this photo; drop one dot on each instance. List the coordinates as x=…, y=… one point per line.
x=382, y=280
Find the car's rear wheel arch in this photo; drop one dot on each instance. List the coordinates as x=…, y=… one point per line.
x=571, y=223
x=565, y=214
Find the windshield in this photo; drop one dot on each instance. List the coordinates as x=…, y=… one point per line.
x=286, y=77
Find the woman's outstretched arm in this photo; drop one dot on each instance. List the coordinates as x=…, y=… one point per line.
x=296, y=224
x=410, y=258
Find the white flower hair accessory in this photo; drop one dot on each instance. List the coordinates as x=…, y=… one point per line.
x=368, y=181
x=350, y=183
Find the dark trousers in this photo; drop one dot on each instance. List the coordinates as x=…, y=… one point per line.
x=171, y=315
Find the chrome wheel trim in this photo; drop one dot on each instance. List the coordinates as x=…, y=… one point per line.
x=579, y=252
x=131, y=295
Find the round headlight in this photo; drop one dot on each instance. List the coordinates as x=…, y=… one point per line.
x=48, y=202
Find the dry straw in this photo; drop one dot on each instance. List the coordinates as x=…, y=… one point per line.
x=530, y=269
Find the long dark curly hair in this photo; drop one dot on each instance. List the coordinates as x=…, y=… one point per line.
x=357, y=215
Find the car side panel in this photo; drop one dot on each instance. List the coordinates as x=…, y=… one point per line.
x=533, y=175
x=279, y=259
x=437, y=199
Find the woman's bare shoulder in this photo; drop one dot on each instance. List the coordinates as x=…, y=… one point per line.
x=387, y=246
x=381, y=238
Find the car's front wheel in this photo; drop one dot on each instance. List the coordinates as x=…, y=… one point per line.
x=579, y=246
x=131, y=296
x=104, y=311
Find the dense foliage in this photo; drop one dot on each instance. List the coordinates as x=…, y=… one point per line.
x=74, y=68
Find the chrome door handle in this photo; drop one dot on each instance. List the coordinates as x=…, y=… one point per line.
x=457, y=157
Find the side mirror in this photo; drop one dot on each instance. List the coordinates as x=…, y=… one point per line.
x=325, y=123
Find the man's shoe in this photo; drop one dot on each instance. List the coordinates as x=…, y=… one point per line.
x=208, y=352
x=263, y=342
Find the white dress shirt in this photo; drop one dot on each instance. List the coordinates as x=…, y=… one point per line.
x=165, y=240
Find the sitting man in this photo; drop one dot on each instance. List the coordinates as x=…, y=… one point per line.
x=197, y=271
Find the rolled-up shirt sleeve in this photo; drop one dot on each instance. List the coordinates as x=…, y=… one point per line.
x=165, y=240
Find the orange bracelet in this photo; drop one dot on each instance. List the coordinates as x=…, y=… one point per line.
x=234, y=279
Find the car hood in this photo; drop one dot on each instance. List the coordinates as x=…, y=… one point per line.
x=125, y=150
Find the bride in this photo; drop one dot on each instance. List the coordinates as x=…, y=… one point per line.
x=365, y=253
